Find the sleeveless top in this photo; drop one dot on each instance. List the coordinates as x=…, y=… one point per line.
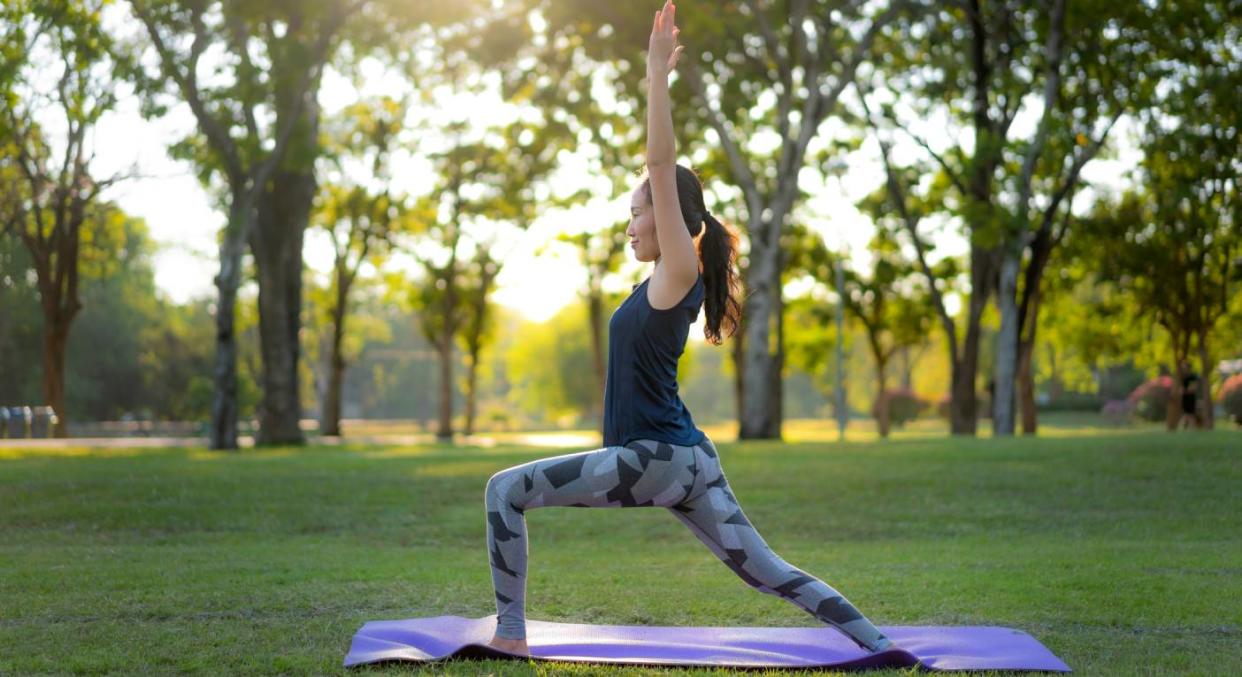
x=640, y=392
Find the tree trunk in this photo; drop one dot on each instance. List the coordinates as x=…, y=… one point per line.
x=1205, y=382
x=1173, y=412
x=472, y=372
x=332, y=401
x=1180, y=341
x=738, y=354
x=963, y=417
x=224, y=406
x=777, y=411
x=1004, y=366
x=761, y=403
x=331, y=415
x=1026, y=387
x=277, y=246
x=55, y=344
x=883, y=413
x=58, y=297
x=444, y=432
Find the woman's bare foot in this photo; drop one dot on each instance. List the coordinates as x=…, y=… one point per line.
x=884, y=645
x=517, y=646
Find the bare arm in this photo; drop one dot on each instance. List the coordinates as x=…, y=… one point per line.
x=679, y=263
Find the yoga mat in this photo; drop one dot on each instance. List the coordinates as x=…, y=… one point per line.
x=978, y=647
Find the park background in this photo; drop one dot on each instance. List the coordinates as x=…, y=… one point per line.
x=441, y=238
x=374, y=245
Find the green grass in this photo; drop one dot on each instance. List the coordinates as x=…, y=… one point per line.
x=1121, y=552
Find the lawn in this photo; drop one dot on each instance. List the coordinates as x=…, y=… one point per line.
x=1121, y=551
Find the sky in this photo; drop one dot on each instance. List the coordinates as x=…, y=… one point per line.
x=184, y=223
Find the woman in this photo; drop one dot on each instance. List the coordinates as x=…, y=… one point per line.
x=653, y=454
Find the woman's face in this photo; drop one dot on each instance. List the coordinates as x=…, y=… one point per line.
x=641, y=231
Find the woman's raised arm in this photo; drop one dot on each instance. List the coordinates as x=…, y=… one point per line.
x=678, y=259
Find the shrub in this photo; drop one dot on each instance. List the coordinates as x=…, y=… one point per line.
x=1118, y=412
x=497, y=417
x=1151, y=399
x=903, y=406
x=1073, y=401
x=1230, y=397
x=983, y=406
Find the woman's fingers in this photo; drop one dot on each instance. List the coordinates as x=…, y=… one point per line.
x=664, y=17
x=672, y=60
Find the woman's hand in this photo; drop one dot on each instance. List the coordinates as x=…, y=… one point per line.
x=663, y=50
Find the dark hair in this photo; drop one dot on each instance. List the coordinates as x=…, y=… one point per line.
x=717, y=254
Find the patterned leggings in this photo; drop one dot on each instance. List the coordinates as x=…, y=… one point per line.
x=690, y=483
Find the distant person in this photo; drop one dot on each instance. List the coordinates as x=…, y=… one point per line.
x=654, y=455
x=1190, y=402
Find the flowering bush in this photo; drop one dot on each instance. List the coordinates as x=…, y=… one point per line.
x=1230, y=397
x=1151, y=399
x=1118, y=412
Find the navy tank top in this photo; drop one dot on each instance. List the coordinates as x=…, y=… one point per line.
x=640, y=392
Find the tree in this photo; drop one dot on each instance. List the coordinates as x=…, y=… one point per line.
x=259, y=135
x=977, y=64
x=359, y=220
x=601, y=253
x=1174, y=240
x=247, y=125
x=478, y=278
x=1174, y=248
x=889, y=303
x=483, y=184
x=50, y=199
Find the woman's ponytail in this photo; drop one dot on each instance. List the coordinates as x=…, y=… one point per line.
x=717, y=246
x=717, y=253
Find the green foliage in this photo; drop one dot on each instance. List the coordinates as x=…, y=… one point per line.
x=360, y=221
x=1073, y=401
x=889, y=305
x=810, y=339
x=361, y=329
x=550, y=369
x=132, y=352
x=21, y=325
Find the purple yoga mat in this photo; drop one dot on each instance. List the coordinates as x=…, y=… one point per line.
x=977, y=647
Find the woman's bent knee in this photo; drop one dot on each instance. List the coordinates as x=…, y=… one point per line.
x=500, y=487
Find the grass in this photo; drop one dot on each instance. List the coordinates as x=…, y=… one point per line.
x=1122, y=552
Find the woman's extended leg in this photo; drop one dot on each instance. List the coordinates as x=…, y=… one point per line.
x=643, y=473
x=714, y=516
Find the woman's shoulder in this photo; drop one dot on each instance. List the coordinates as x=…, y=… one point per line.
x=666, y=295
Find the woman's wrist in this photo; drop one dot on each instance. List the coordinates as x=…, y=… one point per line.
x=658, y=76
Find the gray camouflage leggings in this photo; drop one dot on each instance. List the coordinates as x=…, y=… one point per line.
x=690, y=483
